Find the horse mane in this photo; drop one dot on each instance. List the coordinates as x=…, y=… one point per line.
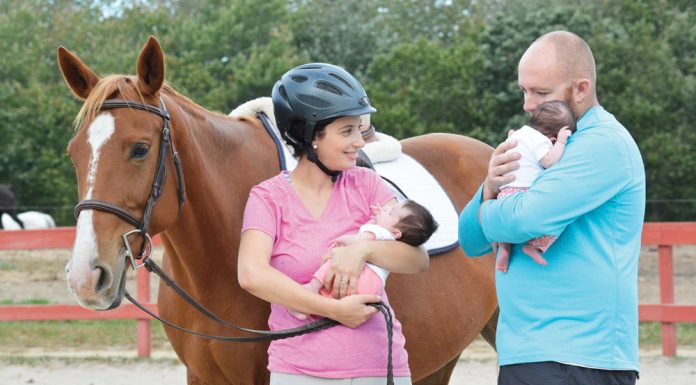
x=126, y=86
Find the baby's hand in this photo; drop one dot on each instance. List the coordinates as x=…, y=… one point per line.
x=344, y=240
x=563, y=135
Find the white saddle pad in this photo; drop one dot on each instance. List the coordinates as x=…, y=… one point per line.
x=419, y=185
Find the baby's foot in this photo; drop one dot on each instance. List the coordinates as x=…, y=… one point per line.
x=535, y=253
x=501, y=264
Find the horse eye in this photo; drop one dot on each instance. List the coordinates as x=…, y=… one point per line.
x=139, y=150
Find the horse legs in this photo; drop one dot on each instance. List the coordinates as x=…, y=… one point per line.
x=13, y=214
x=192, y=379
x=440, y=377
x=488, y=332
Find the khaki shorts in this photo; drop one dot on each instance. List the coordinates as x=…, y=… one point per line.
x=301, y=379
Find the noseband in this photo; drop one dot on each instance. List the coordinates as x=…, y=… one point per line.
x=166, y=146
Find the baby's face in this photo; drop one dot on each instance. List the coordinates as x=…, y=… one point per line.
x=390, y=217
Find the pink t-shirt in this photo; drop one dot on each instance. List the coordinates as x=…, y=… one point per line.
x=299, y=243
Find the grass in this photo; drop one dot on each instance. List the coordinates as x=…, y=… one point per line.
x=79, y=334
x=651, y=334
x=42, y=361
x=120, y=335
x=31, y=301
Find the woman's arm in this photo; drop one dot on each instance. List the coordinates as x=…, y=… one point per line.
x=347, y=261
x=257, y=276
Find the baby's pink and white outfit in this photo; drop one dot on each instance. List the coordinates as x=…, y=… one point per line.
x=532, y=146
x=372, y=278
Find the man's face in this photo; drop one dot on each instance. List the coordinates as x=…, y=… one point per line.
x=541, y=79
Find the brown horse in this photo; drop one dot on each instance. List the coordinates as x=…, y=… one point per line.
x=115, y=152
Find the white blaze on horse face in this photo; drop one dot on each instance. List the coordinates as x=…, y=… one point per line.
x=80, y=273
x=100, y=132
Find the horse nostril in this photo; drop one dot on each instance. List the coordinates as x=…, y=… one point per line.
x=104, y=281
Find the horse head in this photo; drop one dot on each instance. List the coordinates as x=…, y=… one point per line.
x=115, y=152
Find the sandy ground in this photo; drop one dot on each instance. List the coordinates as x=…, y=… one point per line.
x=31, y=275
x=476, y=367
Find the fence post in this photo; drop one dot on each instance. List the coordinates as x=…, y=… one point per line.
x=144, y=329
x=669, y=329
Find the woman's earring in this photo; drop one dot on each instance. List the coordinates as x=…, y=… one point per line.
x=314, y=146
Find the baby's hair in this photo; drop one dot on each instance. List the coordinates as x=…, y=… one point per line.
x=549, y=117
x=418, y=225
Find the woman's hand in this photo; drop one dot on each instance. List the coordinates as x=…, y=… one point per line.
x=346, y=264
x=352, y=311
x=499, y=168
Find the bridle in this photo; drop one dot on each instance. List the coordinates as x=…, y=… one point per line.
x=166, y=146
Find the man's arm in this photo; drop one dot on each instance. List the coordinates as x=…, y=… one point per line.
x=592, y=171
x=471, y=236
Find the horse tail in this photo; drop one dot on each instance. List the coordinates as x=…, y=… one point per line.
x=488, y=332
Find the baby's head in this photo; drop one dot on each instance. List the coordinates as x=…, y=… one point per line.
x=408, y=221
x=549, y=117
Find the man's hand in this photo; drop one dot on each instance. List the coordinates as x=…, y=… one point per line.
x=499, y=168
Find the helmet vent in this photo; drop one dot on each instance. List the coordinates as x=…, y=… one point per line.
x=283, y=93
x=342, y=80
x=313, y=102
x=299, y=78
x=328, y=87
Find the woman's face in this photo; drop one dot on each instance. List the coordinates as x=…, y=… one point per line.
x=338, y=147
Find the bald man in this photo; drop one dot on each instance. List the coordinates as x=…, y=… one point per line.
x=574, y=321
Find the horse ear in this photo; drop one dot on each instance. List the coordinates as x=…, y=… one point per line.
x=80, y=78
x=151, y=67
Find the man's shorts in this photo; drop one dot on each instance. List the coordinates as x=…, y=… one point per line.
x=554, y=373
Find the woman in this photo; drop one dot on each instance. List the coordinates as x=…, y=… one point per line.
x=291, y=219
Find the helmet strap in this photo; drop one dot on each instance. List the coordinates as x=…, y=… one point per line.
x=312, y=155
x=314, y=158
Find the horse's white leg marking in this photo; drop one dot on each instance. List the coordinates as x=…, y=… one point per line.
x=80, y=267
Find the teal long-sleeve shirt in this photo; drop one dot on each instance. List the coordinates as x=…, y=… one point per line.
x=582, y=308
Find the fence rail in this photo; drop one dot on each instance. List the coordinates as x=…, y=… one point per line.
x=64, y=238
x=664, y=235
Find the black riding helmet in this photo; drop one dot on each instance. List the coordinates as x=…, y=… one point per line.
x=313, y=93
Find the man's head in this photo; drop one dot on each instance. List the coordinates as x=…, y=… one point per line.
x=549, y=117
x=558, y=66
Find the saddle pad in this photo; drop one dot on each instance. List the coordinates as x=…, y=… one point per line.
x=419, y=185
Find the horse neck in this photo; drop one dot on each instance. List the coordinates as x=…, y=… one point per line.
x=222, y=158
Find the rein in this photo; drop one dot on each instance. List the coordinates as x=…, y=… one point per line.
x=141, y=226
x=262, y=335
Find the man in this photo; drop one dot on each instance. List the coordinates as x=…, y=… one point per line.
x=575, y=320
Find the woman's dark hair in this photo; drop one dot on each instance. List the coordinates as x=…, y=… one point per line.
x=418, y=225
x=299, y=126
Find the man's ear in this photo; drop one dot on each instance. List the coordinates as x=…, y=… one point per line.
x=581, y=90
